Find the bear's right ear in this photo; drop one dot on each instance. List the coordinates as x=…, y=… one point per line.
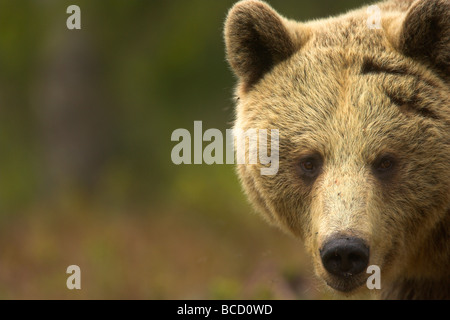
x=257, y=38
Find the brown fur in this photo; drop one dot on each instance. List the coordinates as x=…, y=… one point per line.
x=348, y=94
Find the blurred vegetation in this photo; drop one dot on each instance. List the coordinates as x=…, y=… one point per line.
x=86, y=177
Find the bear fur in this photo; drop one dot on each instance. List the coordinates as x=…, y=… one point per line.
x=364, y=121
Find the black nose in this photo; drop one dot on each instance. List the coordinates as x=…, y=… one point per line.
x=345, y=257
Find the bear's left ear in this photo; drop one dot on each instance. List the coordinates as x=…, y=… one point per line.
x=257, y=38
x=425, y=34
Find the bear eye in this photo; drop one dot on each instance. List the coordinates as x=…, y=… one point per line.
x=309, y=167
x=385, y=166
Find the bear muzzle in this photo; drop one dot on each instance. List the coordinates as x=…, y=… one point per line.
x=345, y=259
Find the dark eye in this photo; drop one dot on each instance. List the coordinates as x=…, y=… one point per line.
x=385, y=166
x=309, y=167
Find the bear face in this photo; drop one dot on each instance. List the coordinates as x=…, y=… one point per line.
x=364, y=122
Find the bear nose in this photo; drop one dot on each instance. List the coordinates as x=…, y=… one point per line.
x=345, y=257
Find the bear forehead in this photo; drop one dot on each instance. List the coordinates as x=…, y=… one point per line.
x=355, y=83
x=346, y=32
x=327, y=80
x=336, y=98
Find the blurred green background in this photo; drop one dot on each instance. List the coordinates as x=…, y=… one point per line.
x=86, y=177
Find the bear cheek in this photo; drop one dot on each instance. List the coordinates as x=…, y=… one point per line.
x=290, y=205
x=249, y=182
x=276, y=205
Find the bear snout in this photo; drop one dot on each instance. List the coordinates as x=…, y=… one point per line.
x=345, y=257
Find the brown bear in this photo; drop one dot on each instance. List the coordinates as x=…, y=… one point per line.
x=363, y=113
